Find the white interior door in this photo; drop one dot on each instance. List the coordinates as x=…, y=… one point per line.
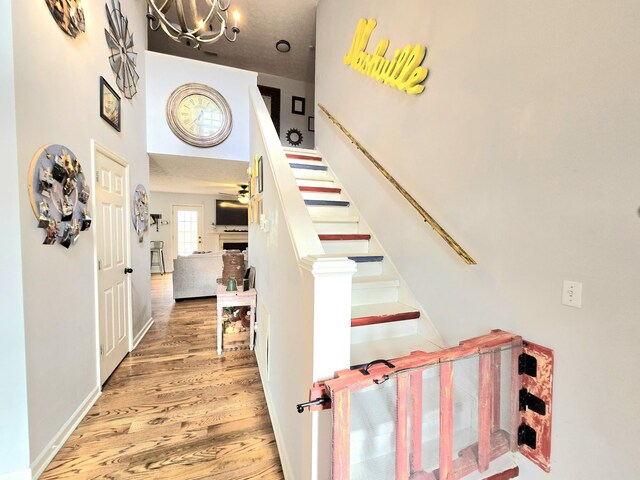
x=187, y=229
x=114, y=317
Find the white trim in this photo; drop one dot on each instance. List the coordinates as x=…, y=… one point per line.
x=284, y=460
x=53, y=447
x=141, y=335
x=19, y=475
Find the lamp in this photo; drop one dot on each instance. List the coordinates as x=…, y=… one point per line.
x=243, y=198
x=202, y=29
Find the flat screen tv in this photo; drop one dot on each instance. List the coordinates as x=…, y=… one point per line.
x=230, y=212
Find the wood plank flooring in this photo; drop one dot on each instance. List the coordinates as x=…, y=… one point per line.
x=175, y=410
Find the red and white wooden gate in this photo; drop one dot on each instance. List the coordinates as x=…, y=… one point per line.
x=513, y=378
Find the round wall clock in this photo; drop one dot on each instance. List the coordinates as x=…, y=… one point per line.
x=140, y=211
x=69, y=16
x=199, y=115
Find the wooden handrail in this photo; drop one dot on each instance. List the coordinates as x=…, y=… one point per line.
x=427, y=218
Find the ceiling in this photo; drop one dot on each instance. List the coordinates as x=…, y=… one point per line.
x=262, y=24
x=210, y=176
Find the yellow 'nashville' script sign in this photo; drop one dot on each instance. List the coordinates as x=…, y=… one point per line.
x=403, y=71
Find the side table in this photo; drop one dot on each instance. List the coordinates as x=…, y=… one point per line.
x=238, y=298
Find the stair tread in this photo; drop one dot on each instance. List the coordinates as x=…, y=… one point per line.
x=389, y=348
x=299, y=175
x=371, y=281
x=335, y=237
x=301, y=151
x=335, y=219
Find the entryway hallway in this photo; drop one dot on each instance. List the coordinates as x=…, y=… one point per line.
x=174, y=409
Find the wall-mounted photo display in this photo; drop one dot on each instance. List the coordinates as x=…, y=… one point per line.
x=311, y=124
x=69, y=16
x=59, y=194
x=297, y=105
x=109, y=104
x=140, y=211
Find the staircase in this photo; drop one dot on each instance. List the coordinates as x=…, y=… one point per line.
x=386, y=320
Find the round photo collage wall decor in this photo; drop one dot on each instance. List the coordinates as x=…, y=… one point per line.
x=59, y=194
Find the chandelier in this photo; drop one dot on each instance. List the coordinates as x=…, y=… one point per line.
x=192, y=28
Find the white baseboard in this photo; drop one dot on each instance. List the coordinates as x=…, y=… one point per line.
x=284, y=459
x=19, y=475
x=142, y=333
x=46, y=455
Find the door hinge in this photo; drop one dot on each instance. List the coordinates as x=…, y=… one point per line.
x=527, y=436
x=533, y=403
x=101, y=350
x=99, y=265
x=97, y=176
x=527, y=365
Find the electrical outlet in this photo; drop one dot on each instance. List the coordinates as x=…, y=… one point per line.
x=572, y=294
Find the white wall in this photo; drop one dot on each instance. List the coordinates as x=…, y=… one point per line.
x=14, y=433
x=289, y=88
x=165, y=74
x=57, y=80
x=524, y=146
x=161, y=202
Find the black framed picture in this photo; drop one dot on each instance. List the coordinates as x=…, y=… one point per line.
x=311, y=124
x=260, y=176
x=297, y=105
x=109, y=104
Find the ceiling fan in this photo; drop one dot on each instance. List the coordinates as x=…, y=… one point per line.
x=242, y=196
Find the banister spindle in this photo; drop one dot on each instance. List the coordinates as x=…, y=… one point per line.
x=402, y=447
x=446, y=419
x=485, y=411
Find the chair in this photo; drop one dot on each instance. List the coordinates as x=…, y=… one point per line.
x=157, y=247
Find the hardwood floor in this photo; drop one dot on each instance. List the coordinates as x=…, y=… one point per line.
x=175, y=410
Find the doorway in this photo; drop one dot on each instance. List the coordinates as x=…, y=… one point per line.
x=114, y=257
x=188, y=226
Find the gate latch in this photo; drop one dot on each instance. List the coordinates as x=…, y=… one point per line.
x=318, y=399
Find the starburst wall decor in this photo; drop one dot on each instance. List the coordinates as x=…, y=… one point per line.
x=123, y=58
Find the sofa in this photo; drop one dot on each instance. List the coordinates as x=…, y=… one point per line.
x=196, y=275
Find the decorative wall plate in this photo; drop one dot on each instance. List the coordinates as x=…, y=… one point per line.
x=68, y=15
x=123, y=58
x=59, y=194
x=140, y=211
x=294, y=136
x=199, y=115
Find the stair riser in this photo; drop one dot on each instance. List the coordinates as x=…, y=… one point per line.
x=346, y=246
x=382, y=331
x=315, y=163
x=366, y=296
x=321, y=196
x=329, y=227
x=368, y=269
x=303, y=172
x=320, y=210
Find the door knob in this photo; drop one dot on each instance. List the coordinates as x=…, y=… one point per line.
x=128, y=270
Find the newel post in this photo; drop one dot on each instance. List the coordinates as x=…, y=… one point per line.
x=327, y=281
